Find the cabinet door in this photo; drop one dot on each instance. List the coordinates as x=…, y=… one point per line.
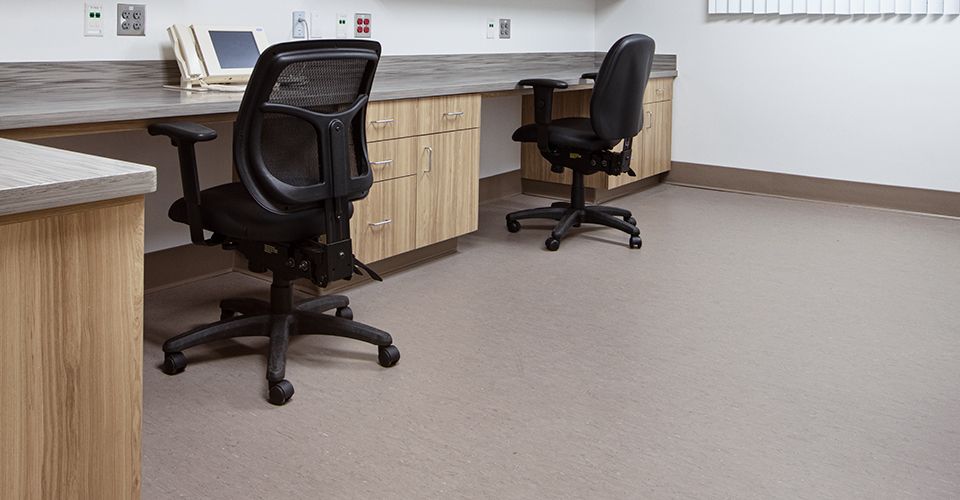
x=448, y=186
x=657, y=130
x=383, y=223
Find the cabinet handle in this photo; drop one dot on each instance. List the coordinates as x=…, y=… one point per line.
x=381, y=163
x=649, y=119
x=454, y=114
x=429, y=151
x=383, y=122
x=659, y=91
x=381, y=223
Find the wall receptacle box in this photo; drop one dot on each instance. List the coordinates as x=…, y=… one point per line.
x=131, y=19
x=362, y=25
x=504, y=29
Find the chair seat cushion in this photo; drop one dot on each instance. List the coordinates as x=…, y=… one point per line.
x=230, y=211
x=574, y=133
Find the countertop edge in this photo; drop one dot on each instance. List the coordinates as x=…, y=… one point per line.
x=36, y=178
x=27, y=199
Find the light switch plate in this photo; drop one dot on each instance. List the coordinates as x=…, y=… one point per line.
x=343, y=26
x=131, y=19
x=491, y=29
x=92, y=19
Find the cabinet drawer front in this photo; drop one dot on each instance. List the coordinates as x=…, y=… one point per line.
x=448, y=113
x=392, y=159
x=384, y=223
x=660, y=89
x=391, y=119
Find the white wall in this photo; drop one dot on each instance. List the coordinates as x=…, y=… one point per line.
x=862, y=99
x=403, y=26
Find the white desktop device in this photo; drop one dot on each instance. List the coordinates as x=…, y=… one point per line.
x=216, y=57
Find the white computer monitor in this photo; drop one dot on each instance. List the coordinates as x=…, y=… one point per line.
x=230, y=52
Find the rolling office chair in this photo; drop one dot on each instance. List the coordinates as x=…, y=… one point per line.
x=585, y=145
x=301, y=153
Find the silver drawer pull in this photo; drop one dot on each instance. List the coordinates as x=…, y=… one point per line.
x=429, y=151
x=454, y=113
x=381, y=163
x=381, y=223
x=383, y=122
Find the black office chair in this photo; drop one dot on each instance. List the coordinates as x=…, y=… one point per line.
x=300, y=150
x=584, y=145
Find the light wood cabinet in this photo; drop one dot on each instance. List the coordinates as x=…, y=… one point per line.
x=448, y=186
x=425, y=158
x=384, y=223
x=71, y=307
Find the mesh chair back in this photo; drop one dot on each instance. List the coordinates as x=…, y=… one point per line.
x=616, y=108
x=300, y=139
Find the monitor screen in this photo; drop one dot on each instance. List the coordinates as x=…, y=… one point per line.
x=235, y=49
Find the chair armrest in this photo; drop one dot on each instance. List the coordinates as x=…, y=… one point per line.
x=185, y=132
x=184, y=137
x=543, y=106
x=589, y=76
x=543, y=82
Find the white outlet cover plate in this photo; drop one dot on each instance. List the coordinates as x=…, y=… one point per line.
x=92, y=19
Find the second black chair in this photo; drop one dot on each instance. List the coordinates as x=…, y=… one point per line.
x=585, y=145
x=300, y=151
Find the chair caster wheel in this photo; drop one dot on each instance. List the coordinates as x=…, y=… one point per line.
x=553, y=244
x=635, y=242
x=174, y=363
x=281, y=392
x=630, y=220
x=225, y=315
x=389, y=356
x=513, y=226
x=345, y=313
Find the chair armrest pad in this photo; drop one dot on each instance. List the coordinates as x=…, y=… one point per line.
x=589, y=76
x=543, y=82
x=183, y=132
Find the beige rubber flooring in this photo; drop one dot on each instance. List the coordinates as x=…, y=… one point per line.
x=754, y=348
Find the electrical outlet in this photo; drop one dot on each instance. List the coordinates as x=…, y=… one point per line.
x=131, y=19
x=343, y=26
x=299, y=28
x=491, y=29
x=363, y=24
x=504, y=29
x=93, y=19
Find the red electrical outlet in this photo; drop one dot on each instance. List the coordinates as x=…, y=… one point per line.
x=362, y=25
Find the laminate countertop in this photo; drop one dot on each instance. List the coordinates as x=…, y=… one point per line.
x=57, y=94
x=38, y=178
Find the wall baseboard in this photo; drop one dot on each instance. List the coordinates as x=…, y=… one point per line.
x=927, y=201
x=500, y=186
